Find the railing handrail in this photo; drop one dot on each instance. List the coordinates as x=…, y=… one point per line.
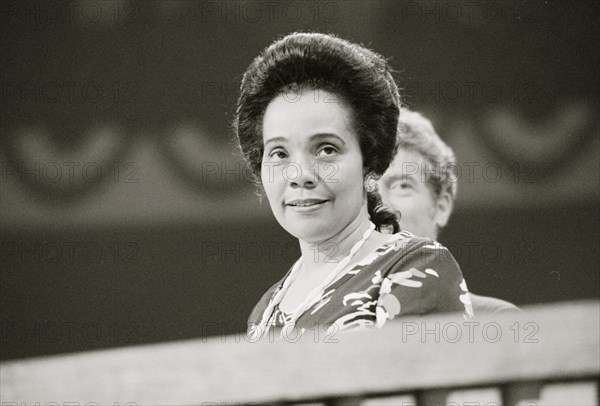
x=551, y=342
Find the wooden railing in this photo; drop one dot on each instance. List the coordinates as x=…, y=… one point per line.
x=428, y=361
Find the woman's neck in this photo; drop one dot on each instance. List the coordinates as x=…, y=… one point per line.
x=326, y=254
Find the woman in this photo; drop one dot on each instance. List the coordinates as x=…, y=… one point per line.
x=316, y=120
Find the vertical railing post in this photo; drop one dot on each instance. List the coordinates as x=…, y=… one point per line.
x=433, y=397
x=521, y=394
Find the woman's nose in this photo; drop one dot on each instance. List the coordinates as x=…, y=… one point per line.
x=301, y=174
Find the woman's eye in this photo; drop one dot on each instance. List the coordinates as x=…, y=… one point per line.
x=278, y=153
x=327, y=151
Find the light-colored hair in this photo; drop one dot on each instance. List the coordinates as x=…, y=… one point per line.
x=416, y=133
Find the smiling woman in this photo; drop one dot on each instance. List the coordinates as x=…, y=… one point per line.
x=303, y=140
x=316, y=120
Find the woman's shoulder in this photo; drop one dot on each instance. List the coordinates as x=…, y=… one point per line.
x=423, y=275
x=405, y=255
x=405, y=247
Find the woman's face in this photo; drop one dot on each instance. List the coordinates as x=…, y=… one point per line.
x=312, y=167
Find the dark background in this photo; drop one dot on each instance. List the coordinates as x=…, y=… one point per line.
x=166, y=252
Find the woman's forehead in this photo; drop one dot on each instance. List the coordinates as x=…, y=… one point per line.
x=304, y=114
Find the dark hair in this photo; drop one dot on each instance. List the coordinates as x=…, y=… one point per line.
x=358, y=75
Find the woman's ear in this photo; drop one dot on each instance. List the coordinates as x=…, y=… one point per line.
x=443, y=209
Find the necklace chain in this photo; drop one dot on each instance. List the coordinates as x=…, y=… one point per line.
x=316, y=293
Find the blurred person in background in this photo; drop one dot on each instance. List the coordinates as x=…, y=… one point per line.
x=421, y=183
x=317, y=121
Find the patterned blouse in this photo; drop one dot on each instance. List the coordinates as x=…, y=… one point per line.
x=406, y=276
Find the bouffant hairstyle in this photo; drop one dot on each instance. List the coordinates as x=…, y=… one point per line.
x=359, y=76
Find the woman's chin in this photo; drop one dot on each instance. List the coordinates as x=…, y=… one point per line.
x=311, y=233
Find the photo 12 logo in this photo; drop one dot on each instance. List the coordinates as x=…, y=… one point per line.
x=469, y=331
x=294, y=172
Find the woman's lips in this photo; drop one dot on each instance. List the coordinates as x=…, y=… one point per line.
x=305, y=205
x=305, y=202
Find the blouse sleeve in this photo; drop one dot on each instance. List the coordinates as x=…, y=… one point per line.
x=427, y=279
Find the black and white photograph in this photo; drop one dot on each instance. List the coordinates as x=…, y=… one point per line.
x=299, y=202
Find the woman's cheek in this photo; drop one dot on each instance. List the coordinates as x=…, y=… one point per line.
x=272, y=172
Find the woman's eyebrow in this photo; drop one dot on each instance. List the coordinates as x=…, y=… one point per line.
x=321, y=136
x=275, y=139
x=313, y=138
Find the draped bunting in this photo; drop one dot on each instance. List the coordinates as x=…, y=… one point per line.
x=502, y=156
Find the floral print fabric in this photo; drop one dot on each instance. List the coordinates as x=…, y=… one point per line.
x=406, y=276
